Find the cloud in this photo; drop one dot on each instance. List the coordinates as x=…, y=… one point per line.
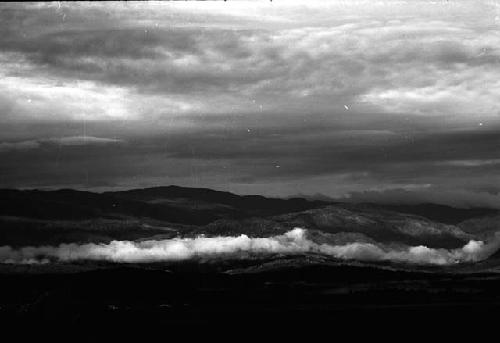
x=137, y=61
x=14, y=146
x=270, y=58
x=471, y=163
x=292, y=242
x=63, y=141
x=328, y=158
x=84, y=140
x=357, y=95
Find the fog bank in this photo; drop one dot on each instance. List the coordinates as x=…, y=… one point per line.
x=292, y=242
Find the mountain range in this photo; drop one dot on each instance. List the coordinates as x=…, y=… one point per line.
x=37, y=217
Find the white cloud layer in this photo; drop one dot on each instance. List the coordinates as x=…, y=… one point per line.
x=295, y=241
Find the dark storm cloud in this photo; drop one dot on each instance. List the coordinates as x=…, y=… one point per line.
x=147, y=59
x=267, y=154
x=281, y=98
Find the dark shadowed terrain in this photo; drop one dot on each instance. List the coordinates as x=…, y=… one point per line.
x=305, y=290
x=33, y=217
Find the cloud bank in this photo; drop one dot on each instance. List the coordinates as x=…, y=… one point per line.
x=292, y=242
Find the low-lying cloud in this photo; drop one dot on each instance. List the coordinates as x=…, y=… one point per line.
x=292, y=242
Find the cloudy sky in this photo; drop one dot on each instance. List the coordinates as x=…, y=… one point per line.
x=363, y=99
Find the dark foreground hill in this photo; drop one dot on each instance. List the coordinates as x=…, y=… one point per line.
x=299, y=296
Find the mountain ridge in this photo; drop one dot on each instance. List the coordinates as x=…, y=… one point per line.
x=39, y=217
x=133, y=197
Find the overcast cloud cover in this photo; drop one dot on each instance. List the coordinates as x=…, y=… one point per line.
x=279, y=98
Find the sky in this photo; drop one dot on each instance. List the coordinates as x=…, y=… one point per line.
x=395, y=101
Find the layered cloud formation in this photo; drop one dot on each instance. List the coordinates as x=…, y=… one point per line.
x=117, y=61
x=292, y=242
x=276, y=98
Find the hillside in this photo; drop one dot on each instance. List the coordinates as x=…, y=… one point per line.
x=34, y=217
